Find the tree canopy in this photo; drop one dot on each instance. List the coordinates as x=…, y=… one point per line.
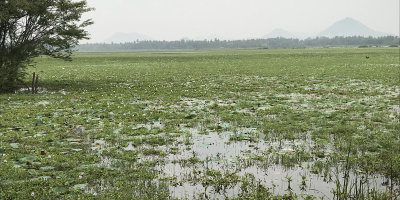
x=29, y=28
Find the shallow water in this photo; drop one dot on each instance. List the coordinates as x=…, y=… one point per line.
x=217, y=152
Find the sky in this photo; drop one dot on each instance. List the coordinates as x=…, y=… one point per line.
x=234, y=19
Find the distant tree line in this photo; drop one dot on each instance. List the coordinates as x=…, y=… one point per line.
x=271, y=43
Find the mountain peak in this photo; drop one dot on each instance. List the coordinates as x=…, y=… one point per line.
x=349, y=27
x=349, y=19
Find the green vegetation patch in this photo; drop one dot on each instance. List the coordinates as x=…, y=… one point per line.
x=227, y=124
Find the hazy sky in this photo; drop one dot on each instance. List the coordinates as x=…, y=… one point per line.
x=234, y=19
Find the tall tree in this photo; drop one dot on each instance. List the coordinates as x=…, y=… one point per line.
x=29, y=28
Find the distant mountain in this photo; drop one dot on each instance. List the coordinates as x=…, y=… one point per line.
x=127, y=37
x=285, y=34
x=349, y=27
x=345, y=27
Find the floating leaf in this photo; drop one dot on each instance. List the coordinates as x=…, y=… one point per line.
x=227, y=133
x=17, y=166
x=41, y=178
x=14, y=145
x=39, y=134
x=59, y=189
x=117, y=131
x=28, y=158
x=73, y=140
x=79, y=186
x=42, y=103
x=99, y=142
x=139, y=126
x=112, y=168
x=47, y=168
x=95, y=148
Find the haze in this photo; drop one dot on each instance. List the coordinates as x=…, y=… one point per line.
x=234, y=19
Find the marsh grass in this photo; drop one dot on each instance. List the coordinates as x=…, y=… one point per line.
x=227, y=124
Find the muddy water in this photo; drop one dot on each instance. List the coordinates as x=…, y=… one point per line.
x=217, y=152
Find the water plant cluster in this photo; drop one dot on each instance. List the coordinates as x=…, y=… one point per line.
x=221, y=124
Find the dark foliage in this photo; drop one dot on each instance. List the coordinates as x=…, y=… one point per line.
x=253, y=43
x=29, y=28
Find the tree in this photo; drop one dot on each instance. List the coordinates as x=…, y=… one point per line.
x=30, y=28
